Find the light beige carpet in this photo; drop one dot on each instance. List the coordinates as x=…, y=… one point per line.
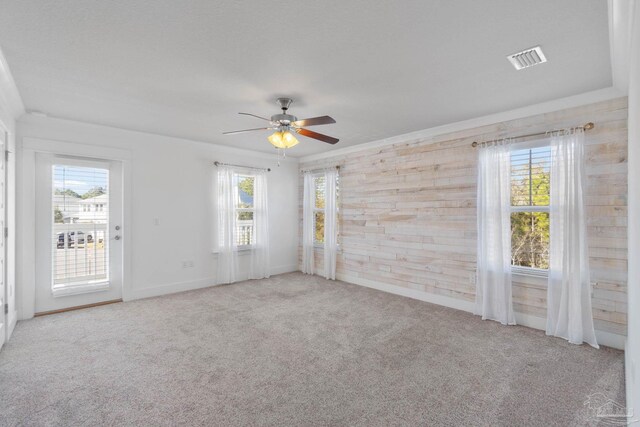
x=294, y=350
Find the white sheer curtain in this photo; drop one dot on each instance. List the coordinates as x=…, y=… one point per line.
x=493, y=286
x=260, y=249
x=330, y=224
x=569, y=290
x=308, y=202
x=227, y=255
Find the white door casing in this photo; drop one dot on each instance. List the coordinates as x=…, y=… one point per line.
x=3, y=250
x=47, y=296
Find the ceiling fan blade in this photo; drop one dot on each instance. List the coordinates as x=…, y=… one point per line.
x=253, y=115
x=318, y=136
x=244, y=130
x=322, y=120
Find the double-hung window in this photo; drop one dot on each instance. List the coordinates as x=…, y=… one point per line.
x=319, y=206
x=530, y=185
x=318, y=209
x=244, y=186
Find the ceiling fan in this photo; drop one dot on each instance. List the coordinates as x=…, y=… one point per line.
x=284, y=124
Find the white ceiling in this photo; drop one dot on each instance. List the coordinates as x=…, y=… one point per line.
x=380, y=68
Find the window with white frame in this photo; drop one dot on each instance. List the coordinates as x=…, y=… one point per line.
x=245, y=209
x=319, y=208
x=530, y=185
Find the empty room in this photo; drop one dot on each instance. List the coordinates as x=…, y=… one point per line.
x=340, y=213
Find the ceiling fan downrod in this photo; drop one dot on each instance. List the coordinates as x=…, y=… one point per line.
x=284, y=119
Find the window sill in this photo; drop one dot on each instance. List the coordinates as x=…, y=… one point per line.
x=530, y=272
x=241, y=250
x=321, y=248
x=77, y=289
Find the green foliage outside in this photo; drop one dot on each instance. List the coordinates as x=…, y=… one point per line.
x=319, y=234
x=94, y=192
x=67, y=192
x=319, y=204
x=246, y=185
x=245, y=216
x=530, y=230
x=57, y=216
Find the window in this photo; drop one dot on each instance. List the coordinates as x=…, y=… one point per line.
x=318, y=208
x=79, y=243
x=530, y=184
x=245, y=209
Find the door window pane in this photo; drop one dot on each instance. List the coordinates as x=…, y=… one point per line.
x=80, y=216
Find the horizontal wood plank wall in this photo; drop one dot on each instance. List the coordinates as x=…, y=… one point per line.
x=408, y=212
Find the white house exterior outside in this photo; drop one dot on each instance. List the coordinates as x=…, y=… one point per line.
x=77, y=210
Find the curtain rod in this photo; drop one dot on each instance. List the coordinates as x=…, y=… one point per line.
x=217, y=163
x=587, y=126
x=319, y=169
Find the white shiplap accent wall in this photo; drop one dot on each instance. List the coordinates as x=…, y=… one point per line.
x=408, y=215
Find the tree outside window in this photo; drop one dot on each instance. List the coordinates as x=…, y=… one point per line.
x=530, y=185
x=319, y=208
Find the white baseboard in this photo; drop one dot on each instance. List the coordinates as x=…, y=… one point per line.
x=172, y=288
x=13, y=320
x=458, y=304
x=604, y=338
x=284, y=269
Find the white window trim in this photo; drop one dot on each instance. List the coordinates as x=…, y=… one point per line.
x=529, y=271
x=316, y=244
x=238, y=210
x=242, y=250
x=517, y=269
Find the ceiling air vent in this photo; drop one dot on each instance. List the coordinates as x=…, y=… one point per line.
x=527, y=58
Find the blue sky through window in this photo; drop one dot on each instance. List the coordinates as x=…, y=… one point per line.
x=79, y=179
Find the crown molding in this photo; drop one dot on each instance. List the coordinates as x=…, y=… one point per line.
x=87, y=131
x=10, y=99
x=519, y=113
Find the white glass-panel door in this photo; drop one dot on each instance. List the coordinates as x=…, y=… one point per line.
x=78, y=232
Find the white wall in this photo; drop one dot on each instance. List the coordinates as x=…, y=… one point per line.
x=633, y=332
x=171, y=179
x=11, y=108
x=8, y=122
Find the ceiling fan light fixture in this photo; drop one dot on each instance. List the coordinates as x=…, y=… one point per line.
x=283, y=139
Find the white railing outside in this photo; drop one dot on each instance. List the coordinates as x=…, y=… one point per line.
x=79, y=254
x=244, y=230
